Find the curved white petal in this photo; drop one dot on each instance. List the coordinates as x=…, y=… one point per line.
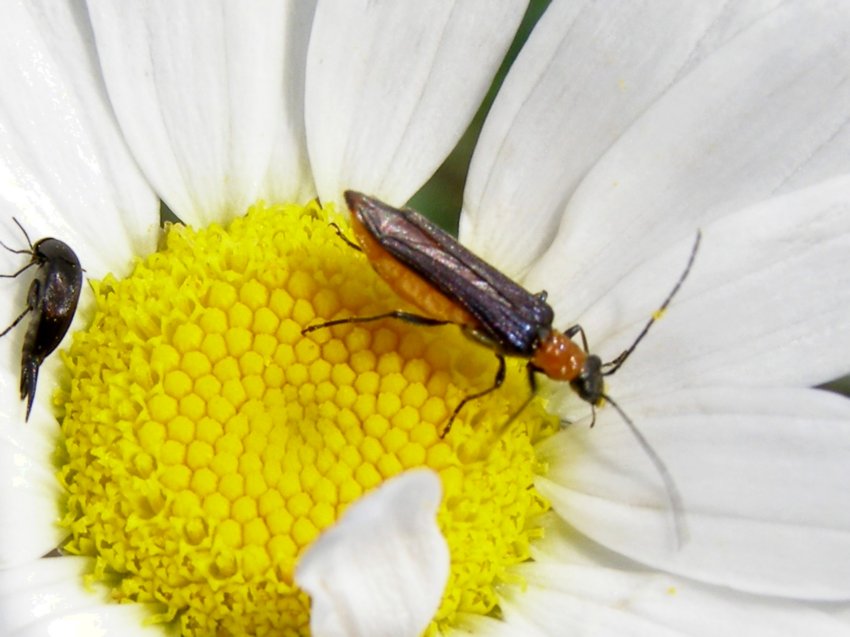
x=64, y=169
x=197, y=90
x=586, y=73
x=48, y=597
x=392, y=86
x=762, y=475
x=382, y=569
x=593, y=600
x=765, y=114
x=563, y=544
x=765, y=304
x=29, y=491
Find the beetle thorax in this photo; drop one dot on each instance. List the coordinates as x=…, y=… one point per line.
x=559, y=357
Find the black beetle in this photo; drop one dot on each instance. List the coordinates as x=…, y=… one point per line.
x=52, y=297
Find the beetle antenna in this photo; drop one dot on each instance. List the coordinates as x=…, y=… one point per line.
x=18, y=223
x=13, y=250
x=673, y=496
x=614, y=365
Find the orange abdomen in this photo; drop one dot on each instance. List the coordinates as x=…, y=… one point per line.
x=408, y=284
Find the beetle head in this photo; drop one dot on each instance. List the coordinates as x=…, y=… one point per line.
x=589, y=384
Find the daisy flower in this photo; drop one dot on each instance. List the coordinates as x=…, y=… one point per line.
x=194, y=465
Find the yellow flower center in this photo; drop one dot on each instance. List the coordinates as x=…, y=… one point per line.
x=207, y=443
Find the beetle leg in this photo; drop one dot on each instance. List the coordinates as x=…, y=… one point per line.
x=15, y=322
x=407, y=317
x=34, y=294
x=342, y=236
x=577, y=329
x=22, y=270
x=531, y=370
x=497, y=382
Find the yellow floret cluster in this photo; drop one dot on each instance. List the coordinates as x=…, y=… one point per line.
x=207, y=443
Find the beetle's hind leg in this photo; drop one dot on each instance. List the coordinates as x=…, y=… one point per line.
x=15, y=322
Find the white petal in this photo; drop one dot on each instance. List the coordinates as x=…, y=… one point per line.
x=29, y=491
x=762, y=473
x=64, y=168
x=766, y=302
x=382, y=569
x=586, y=73
x=765, y=114
x=562, y=543
x=197, y=90
x=517, y=623
x=289, y=177
x=47, y=597
x=392, y=86
x=593, y=600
